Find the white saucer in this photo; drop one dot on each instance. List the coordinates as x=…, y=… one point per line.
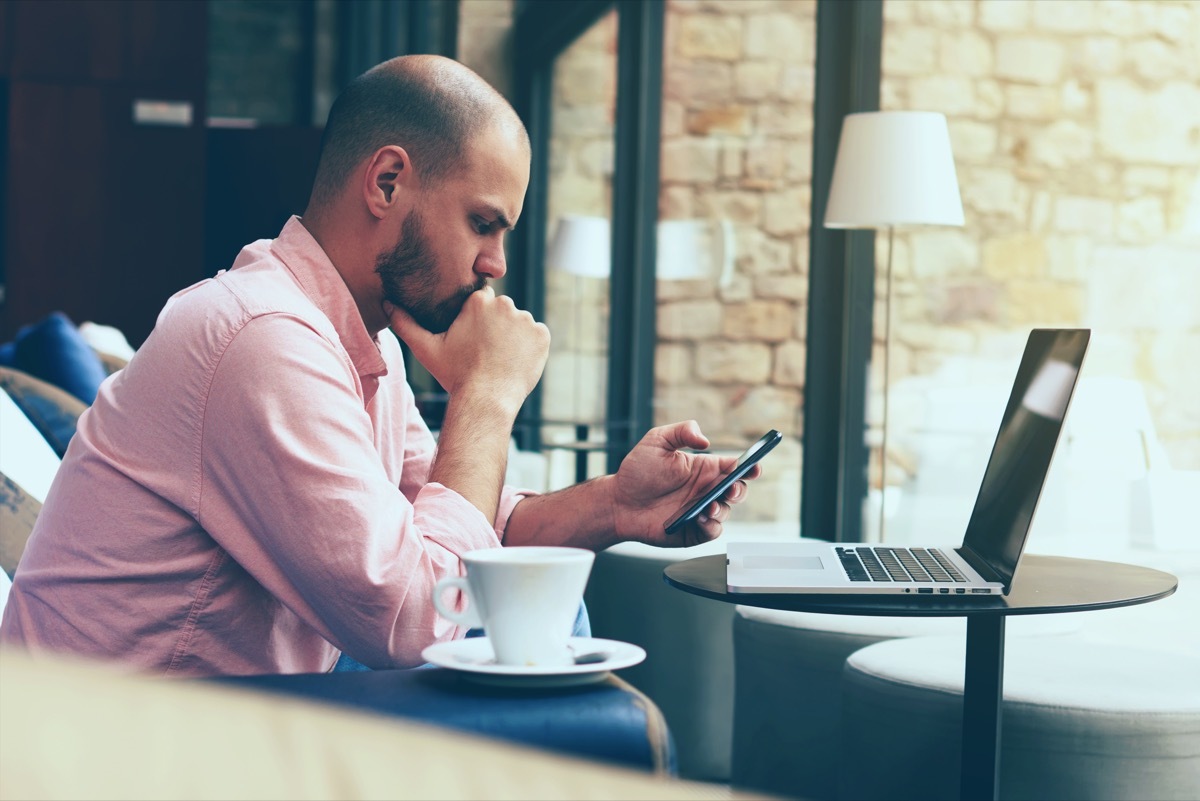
x=476, y=659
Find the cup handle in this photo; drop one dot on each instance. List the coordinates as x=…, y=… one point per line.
x=469, y=617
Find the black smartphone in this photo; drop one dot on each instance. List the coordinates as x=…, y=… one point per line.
x=700, y=502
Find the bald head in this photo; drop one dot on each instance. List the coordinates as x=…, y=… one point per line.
x=431, y=106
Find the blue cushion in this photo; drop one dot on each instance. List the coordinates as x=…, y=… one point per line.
x=8, y=354
x=54, y=350
x=607, y=720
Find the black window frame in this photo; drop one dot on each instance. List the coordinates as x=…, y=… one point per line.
x=842, y=263
x=543, y=30
x=841, y=289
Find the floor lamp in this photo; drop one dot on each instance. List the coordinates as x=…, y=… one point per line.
x=893, y=169
x=580, y=247
x=687, y=250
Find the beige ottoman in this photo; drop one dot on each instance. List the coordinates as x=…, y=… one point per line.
x=1080, y=721
x=788, y=675
x=688, y=671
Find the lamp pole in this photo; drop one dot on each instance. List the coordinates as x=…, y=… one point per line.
x=887, y=358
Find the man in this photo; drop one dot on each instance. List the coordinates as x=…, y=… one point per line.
x=256, y=492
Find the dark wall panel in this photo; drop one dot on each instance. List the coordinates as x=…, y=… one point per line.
x=103, y=216
x=5, y=37
x=55, y=232
x=155, y=44
x=257, y=179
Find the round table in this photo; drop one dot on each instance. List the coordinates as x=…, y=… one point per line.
x=1043, y=585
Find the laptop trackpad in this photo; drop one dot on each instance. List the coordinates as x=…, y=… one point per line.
x=782, y=562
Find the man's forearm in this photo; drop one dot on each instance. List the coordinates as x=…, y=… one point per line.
x=472, y=450
x=581, y=516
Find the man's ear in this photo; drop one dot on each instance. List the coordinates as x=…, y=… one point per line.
x=389, y=175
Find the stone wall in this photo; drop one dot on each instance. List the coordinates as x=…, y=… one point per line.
x=580, y=185
x=737, y=147
x=737, y=151
x=485, y=40
x=254, y=58
x=1076, y=131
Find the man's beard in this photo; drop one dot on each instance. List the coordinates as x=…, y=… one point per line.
x=410, y=280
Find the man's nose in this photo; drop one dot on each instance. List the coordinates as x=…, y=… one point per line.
x=491, y=263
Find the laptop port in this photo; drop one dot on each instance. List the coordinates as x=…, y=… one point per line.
x=959, y=590
x=980, y=590
x=925, y=589
x=945, y=590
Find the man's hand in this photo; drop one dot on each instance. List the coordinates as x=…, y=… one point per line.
x=488, y=361
x=492, y=348
x=657, y=478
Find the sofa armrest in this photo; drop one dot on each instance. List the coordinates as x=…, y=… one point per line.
x=71, y=730
x=608, y=720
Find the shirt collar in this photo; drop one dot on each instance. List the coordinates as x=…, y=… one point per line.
x=323, y=284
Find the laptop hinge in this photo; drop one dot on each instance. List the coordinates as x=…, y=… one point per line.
x=982, y=567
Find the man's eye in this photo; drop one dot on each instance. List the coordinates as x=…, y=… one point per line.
x=482, y=226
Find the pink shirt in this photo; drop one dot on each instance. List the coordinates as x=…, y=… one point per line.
x=250, y=494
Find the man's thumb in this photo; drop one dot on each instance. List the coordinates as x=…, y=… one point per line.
x=408, y=329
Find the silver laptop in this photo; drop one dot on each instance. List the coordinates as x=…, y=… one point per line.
x=999, y=524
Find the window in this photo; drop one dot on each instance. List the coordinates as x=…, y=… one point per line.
x=1074, y=130
x=734, y=208
x=578, y=257
x=263, y=62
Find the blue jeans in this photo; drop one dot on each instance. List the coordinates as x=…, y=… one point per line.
x=583, y=628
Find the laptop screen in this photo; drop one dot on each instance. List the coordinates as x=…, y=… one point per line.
x=1029, y=432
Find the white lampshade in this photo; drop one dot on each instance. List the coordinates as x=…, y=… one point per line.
x=690, y=250
x=894, y=168
x=581, y=246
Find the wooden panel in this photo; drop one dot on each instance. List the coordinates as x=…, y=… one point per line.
x=159, y=215
x=5, y=37
x=153, y=44
x=54, y=235
x=105, y=218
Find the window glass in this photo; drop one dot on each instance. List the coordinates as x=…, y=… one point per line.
x=1074, y=127
x=578, y=254
x=734, y=208
x=270, y=62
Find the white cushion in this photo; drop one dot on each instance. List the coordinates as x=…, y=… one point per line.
x=25, y=456
x=1081, y=720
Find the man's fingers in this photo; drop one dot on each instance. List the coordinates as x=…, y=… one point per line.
x=708, y=529
x=736, y=493
x=407, y=328
x=684, y=435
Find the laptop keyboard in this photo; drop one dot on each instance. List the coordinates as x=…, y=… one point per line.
x=885, y=563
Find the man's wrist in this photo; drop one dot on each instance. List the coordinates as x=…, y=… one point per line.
x=478, y=403
x=611, y=505
x=488, y=399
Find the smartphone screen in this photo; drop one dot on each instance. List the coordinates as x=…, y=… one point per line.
x=701, y=500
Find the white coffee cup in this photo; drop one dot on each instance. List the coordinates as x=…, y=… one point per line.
x=525, y=597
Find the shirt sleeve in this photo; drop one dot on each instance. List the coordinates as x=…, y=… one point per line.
x=292, y=487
